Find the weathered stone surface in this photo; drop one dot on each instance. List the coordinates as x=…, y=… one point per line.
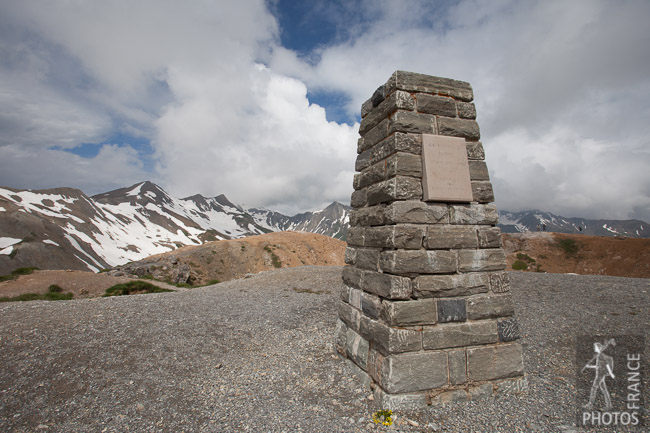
x=398, y=142
x=451, y=310
x=478, y=170
x=374, y=136
x=356, y=236
x=371, y=305
x=373, y=174
x=512, y=386
x=401, y=402
x=412, y=211
x=437, y=286
x=489, y=237
x=457, y=361
x=395, y=236
x=459, y=128
x=448, y=397
x=409, y=372
x=397, y=188
x=407, y=313
x=359, y=198
x=344, y=293
x=466, y=110
x=389, y=340
x=341, y=335
x=366, y=106
x=368, y=216
x=354, y=298
x=367, y=258
x=375, y=360
x=481, y=260
x=475, y=151
x=397, y=100
x=434, y=104
x=350, y=255
x=418, y=262
x=404, y=164
x=459, y=335
x=386, y=285
x=378, y=96
x=356, y=348
x=499, y=282
x=349, y=315
x=414, y=82
x=473, y=214
x=447, y=236
x=508, y=329
x=352, y=276
x=482, y=192
x=409, y=121
x=495, y=362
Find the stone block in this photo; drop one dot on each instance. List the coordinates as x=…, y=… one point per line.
x=414, y=82
x=448, y=236
x=495, y=362
x=352, y=276
x=397, y=100
x=373, y=174
x=378, y=96
x=489, y=237
x=489, y=306
x=359, y=198
x=356, y=348
x=405, y=262
x=492, y=259
x=356, y=236
x=397, y=188
x=386, y=285
x=354, y=298
x=375, y=361
x=473, y=214
x=374, y=136
x=401, y=402
x=434, y=104
x=349, y=315
x=389, y=340
x=370, y=305
x=458, y=128
x=403, y=164
x=482, y=192
x=448, y=335
x=481, y=392
x=398, y=142
x=466, y=110
x=475, y=151
x=508, y=330
x=367, y=258
x=448, y=397
x=439, y=286
x=478, y=170
x=344, y=294
x=368, y=216
x=457, y=361
x=395, y=236
x=350, y=255
x=341, y=335
x=409, y=121
x=366, y=107
x=418, y=212
x=409, y=372
x=499, y=282
x=452, y=310
x=409, y=313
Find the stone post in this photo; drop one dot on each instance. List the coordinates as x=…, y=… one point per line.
x=425, y=313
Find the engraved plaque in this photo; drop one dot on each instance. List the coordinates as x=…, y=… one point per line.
x=445, y=169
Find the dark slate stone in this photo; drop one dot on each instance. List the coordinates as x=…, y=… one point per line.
x=378, y=96
x=452, y=310
x=508, y=329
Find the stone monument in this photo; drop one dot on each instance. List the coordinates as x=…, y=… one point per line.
x=425, y=314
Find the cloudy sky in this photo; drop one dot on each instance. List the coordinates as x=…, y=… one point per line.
x=260, y=100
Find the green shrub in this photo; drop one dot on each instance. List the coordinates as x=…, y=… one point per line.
x=49, y=296
x=569, y=246
x=55, y=289
x=525, y=258
x=134, y=287
x=276, y=261
x=24, y=271
x=518, y=265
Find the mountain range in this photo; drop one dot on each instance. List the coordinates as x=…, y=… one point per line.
x=63, y=228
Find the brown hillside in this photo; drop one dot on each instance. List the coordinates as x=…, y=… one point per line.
x=579, y=254
x=231, y=259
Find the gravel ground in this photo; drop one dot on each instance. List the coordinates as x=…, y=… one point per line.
x=257, y=355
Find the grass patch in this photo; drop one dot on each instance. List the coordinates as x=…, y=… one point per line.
x=211, y=282
x=54, y=293
x=134, y=288
x=276, y=261
x=569, y=246
x=525, y=258
x=18, y=272
x=519, y=265
x=313, y=292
